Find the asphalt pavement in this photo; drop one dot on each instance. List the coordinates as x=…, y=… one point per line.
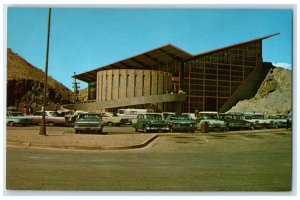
x=64, y=138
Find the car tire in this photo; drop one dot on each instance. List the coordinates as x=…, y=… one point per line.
x=11, y=123
x=144, y=129
x=76, y=131
x=251, y=127
x=100, y=131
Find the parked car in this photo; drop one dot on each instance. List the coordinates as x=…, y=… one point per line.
x=191, y=115
x=111, y=119
x=51, y=118
x=114, y=119
x=181, y=123
x=16, y=118
x=236, y=121
x=128, y=114
x=150, y=122
x=258, y=120
x=213, y=121
x=167, y=114
x=278, y=121
x=289, y=121
x=71, y=116
x=88, y=122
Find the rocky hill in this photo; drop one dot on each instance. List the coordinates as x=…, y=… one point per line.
x=25, y=85
x=273, y=97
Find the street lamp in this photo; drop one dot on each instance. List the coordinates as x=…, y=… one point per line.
x=43, y=123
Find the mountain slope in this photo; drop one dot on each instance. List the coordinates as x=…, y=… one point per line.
x=25, y=85
x=273, y=97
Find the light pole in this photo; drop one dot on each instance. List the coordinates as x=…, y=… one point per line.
x=43, y=123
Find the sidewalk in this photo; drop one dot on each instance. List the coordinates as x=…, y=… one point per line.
x=59, y=140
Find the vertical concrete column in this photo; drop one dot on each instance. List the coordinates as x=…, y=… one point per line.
x=123, y=84
x=147, y=83
x=115, y=84
x=170, y=82
x=166, y=84
x=109, y=89
x=100, y=85
x=98, y=88
x=104, y=88
x=139, y=83
x=130, y=90
x=160, y=82
x=154, y=83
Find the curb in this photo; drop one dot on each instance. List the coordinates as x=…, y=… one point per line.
x=53, y=146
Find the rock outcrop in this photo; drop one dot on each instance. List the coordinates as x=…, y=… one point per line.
x=273, y=97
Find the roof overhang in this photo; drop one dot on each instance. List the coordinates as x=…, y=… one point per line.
x=230, y=46
x=146, y=60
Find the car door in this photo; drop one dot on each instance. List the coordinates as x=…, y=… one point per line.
x=140, y=121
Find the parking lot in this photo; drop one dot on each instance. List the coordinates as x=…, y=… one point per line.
x=218, y=161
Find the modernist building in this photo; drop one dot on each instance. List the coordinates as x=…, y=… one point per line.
x=214, y=80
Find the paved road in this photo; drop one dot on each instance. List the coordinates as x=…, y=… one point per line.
x=187, y=162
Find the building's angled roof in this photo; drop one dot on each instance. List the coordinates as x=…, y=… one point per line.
x=157, y=56
x=230, y=46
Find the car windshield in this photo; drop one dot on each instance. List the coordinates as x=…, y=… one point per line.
x=90, y=116
x=153, y=117
x=180, y=117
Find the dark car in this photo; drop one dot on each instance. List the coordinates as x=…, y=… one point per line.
x=181, y=123
x=236, y=121
x=150, y=122
x=88, y=122
x=258, y=120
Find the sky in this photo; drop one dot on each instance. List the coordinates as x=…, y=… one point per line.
x=82, y=39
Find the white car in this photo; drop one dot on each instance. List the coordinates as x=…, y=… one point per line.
x=111, y=119
x=213, y=121
x=51, y=118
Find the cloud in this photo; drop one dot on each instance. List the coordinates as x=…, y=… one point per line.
x=283, y=65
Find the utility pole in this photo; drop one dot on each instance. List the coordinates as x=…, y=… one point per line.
x=43, y=122
x=76, y=87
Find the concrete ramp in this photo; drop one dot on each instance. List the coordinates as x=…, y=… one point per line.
x=153, y=99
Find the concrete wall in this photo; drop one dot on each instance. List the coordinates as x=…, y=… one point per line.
x=127, y=83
